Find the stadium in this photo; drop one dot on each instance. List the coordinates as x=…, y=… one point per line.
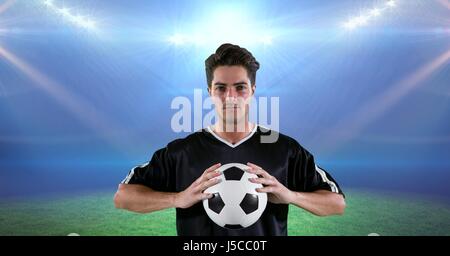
x=87, y=91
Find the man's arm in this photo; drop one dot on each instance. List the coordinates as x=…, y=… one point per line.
x=320, y=202
x=142, y=199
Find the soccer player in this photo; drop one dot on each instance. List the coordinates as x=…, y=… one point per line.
x=177, y=175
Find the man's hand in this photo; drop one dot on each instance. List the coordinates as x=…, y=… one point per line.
x=277, y=193
x=194, y=193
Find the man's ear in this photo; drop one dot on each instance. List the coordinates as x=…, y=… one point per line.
x=254, y=89
x=209, y=90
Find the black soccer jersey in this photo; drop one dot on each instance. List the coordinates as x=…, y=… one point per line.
x=182, y=161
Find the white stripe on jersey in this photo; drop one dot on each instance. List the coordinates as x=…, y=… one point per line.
x=131, y=173
x=333, y=186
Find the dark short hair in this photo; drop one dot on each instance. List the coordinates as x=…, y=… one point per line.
x=231, y=55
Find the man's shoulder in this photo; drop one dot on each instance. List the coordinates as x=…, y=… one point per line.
x=181, y=143
x=273, y=136
x=285, y=141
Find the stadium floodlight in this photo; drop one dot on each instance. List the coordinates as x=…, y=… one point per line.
x=79, y=20
x=48, y=3
x=229, y=24
x=64, y=12
x=177, y=39
x=364, y=18
x=391, y=3
x=375, y=12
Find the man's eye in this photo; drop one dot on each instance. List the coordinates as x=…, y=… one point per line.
x=220, y=88
x=240, y=87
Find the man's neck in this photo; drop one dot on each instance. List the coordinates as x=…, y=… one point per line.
x=235, y=135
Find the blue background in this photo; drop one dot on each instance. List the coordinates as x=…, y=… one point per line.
x=80, y=107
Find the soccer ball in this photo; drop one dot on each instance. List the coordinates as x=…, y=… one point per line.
x=235, y=203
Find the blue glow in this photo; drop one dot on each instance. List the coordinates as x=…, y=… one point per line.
x=123, y=77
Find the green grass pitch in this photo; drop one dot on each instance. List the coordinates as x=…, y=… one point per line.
x=94, y=214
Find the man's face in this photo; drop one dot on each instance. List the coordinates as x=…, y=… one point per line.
x=231, y=92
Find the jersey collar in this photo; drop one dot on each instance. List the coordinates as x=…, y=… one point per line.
x=237, y=143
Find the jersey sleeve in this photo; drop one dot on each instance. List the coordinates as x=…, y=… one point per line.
x=305, y=176
x=158, y=173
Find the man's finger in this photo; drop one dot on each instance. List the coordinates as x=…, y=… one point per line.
x=206, y=184
x=209, y=176
x=212, y=168
x=198, y=180
x=204, y=196
x=254, y=165
x=263, y=181
x=259, y=171
x=211, y=183
x=208, y=170
x=269, y=189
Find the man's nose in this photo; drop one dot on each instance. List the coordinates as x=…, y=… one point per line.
x=231, y=92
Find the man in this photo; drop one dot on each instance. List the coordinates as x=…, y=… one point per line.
x=178, y=174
